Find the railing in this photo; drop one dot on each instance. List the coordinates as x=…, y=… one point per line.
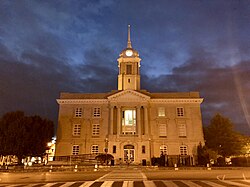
x=78, y=159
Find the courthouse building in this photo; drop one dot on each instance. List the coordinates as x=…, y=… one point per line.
x=133, y=125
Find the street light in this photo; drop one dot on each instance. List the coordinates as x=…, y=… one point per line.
x=150, y=151
x=106, y=150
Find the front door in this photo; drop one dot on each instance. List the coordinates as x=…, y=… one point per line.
x=129, y=153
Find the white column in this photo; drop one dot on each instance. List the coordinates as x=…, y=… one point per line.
x=138, y=120
x=111, y=125
x=118, y=120
x=146, y=120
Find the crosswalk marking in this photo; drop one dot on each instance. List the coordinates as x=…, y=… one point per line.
x=139, y=183
x=87, y=184
x=128, y=184
x=107, y=184
x=149, y=184
x=191, y=183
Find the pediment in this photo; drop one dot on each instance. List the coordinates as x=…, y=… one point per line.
x=128, y=95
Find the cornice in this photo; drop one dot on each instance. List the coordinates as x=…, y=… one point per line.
x=116, y=98
x=196, y=101
x=81, y=101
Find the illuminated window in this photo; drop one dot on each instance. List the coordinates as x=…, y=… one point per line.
x=129, y=121
x=78, y=112
x=128, y=69
x=76, y=130
x=161, y=111
x=75, y=149
x=94, y=149
x=183, y=150
x=95, y=129
x=180, y=111
x=163, y=150
x=97, y=112
x=182, y=130
x=163, y=130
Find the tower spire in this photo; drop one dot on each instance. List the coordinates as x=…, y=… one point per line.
x=129, y=41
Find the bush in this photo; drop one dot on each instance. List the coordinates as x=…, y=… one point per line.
x=104, y=158
x=240, y=161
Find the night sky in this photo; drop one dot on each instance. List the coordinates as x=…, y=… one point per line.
x=48, y=47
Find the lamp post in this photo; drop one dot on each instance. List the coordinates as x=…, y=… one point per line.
x=106, y=150
x=150, y=159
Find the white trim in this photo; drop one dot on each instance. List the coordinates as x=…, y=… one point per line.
x=81, y=101
x=197, y=101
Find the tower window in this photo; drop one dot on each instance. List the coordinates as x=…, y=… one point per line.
x=128, y=80
x=128, y=69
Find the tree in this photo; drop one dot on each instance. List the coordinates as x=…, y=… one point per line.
x=205, y=155
x=22, y=135
x=221, y=137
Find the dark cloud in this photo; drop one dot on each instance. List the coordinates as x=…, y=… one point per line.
x=47, y=47
x=224, y=89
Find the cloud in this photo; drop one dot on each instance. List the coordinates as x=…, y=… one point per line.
x=48, y=47
x=224, y=89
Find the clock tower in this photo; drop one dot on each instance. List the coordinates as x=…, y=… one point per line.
x=129, y=67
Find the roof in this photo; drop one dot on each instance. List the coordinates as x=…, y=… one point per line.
x=163, y=95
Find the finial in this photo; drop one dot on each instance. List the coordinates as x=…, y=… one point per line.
x=129, y=41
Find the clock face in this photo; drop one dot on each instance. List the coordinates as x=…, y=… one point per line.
x=129, y=52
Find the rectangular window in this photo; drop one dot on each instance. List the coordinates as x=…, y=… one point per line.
x=78, y=112
x=76, y=130
x=163, y=130
x=182, y=130
x=75, y=149
x=97, y=112
x=114, y=148
x=180, y=111
x=143, y=149
x=183, y=150
x=95, y=129
x=163, y=150
x=128, y=69
x=129, y=121
x=161, y=111
x=95, y=149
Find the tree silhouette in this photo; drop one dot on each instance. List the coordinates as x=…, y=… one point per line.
x=221, y=137
x=22, y=135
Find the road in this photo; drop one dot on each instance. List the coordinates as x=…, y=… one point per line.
x=129, y=177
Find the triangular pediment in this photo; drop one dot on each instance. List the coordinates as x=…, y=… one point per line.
x=128, y=95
